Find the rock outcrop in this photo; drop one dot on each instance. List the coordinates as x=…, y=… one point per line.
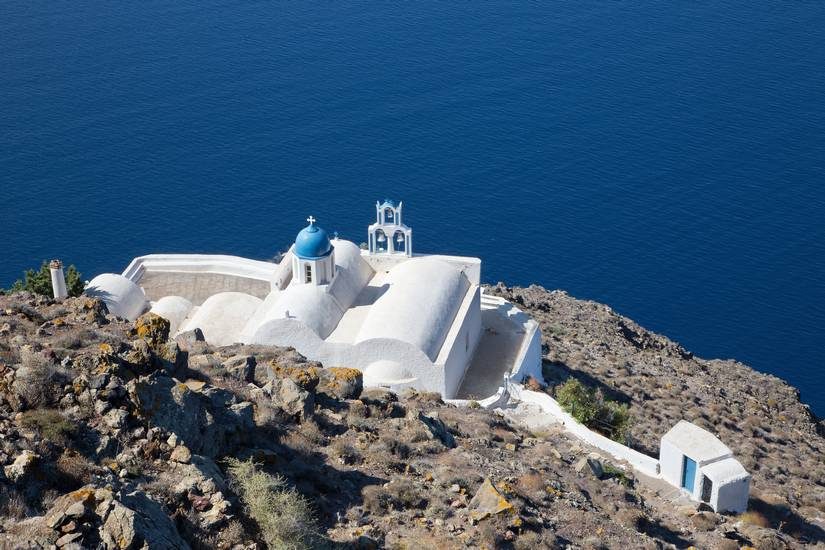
x=114, y=436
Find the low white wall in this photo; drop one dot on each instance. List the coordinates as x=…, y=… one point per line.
x=461, y=342
x=528, y=358
x=641, y=462
x=283, y=275
x=201, y=263
x=528, y=361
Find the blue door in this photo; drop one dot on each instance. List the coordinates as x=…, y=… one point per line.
x=688, y=473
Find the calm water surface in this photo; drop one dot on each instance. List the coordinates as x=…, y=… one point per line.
x=665, y=158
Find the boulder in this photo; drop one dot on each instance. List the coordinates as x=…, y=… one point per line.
x=291, y=398
x=71, y=506
x=592, y=465
x=181, y=454
x=138, y=522
x=199, y=475
x=305, y=376
x=192, y=341
x=209, y=421
x=241, y=367
x=341, y=382
x=152, y=328
x=116, y=418
x=22, y=465
x=437, y=428
x=488, y=501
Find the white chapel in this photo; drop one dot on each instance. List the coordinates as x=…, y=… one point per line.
x=404, y=319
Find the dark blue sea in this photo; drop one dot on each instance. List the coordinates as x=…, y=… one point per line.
x=667, y=158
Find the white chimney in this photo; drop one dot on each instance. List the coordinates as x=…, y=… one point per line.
x=58, y=279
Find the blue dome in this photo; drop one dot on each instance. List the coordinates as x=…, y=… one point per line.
x=312, y=243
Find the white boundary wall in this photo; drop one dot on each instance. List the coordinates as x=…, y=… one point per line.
x=234, y=266
x=642, y=462
x=639, y=461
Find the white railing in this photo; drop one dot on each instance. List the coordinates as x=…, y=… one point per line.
x=201, y=263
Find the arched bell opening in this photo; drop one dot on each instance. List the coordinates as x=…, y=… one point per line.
x=399, y=242
x=381, y=243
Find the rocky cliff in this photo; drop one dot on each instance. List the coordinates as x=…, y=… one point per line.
x=112, y=435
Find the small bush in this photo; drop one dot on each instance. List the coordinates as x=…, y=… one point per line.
x=592, y=409
x=51, y=425
x=38, y=381
x=345, y=452
x=284, y=517
x=398, y=494
x=579, y=400
x=40, y=282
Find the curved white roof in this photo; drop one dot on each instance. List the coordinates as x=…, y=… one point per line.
x=419, y=307
x=320, y=308
x=725, y=470
x=386, y=372
x=308, y=303
x=174, y=309
x=222, y=317
x=122, y=297
x=352, y=273
x=695, y=442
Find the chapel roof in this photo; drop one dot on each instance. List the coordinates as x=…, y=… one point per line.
x=695, y=442
x=312, y=242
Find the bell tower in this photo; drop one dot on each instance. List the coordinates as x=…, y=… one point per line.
x=389, y=235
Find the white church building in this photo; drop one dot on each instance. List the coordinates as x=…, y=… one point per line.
x=404, y=319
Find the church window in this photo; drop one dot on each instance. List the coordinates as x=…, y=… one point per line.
x=307, y=273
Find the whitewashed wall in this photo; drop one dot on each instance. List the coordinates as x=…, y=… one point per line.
x=645, y=464
x=461, y=342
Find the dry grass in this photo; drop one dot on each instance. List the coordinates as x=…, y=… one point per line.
x=76, y=467
x=531, y=485
x=754, y=518
x=12, y=504
x=51, y=425
x=38, y=382
x=345, y=452
x=234, y=533
x=284, y=517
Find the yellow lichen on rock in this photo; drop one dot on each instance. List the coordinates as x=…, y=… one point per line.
x=153, y=328
x=341, y=382
x=487, y=502
x=304, y=377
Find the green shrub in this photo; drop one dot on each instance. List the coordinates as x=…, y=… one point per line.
x=51, y=425
x=579, y=400
x=40, y=282
x=284, y=517
x=590, y=407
